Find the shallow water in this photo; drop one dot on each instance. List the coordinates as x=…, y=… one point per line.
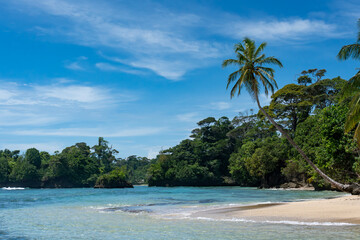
x=151, y=213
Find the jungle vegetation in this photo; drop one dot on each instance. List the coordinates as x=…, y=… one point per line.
x=76, y=166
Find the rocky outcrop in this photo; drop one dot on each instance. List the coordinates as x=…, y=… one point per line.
x=353, y=188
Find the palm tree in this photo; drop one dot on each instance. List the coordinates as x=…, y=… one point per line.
x=352, y=88
x=351, y=50
x=253, y=74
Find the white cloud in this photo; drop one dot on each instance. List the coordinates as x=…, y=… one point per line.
x=74, y=66
x=91, y=132
x=59, y=94
x=30, y=105
x=112, y=68
x=220, y=105
x=63, y=80
x=349, y=9
x=107, y=67
x=82, y=94
x=119, y=28
x=6, y=95
x=21, y=118
x=168, y=69
x=77, y=65
x=188, y=117
x=286, y=30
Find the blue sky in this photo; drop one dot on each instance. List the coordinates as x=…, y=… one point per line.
x=142, y=73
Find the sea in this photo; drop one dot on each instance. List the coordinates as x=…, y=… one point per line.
x=154, y=213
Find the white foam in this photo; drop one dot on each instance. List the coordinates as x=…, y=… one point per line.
x=96, y=208
x=279, y=222
x=289, y=189
x=12, y=188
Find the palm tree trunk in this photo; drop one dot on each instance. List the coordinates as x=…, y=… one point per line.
x=337, y=185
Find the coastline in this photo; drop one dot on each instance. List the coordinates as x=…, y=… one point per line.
x=344, y=209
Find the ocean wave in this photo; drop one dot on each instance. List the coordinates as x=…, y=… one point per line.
x=12, y=188
x=277, y=222
x=167, y=207
x=289, y=189
x=168, y=210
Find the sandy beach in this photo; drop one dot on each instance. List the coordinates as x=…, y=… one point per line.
x=338, y=210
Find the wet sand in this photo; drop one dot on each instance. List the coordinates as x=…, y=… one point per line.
x=337, y=210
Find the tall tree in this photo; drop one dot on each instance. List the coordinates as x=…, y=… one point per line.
x=253, y=74
x=105, y=154
x=291, y=104
x=308, y=76
x=352, y=88
x=32, y=155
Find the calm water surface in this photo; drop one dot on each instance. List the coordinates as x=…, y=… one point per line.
x=150, y=213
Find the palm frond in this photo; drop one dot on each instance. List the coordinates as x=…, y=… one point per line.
x=234, y=89
x=266, y=83
x=239, y=47
x=351, y=87
x=357, y=135
x=269, y=72
x=260, y=58
x=252, y=88
x=241, y=58
x=249, y=48
x=271, y=60
x=229, y=62
x=232, y=77
x=260, y=49
x=349, y=51
x=239, y=84
x=353, y=117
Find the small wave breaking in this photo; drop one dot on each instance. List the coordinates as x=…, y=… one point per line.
x=278, y=222
x=12, y=188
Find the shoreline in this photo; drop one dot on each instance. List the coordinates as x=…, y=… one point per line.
x=340, y=210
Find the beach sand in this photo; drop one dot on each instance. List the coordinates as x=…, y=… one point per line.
x=337, y=210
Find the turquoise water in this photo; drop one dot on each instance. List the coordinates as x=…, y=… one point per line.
x=150, y=213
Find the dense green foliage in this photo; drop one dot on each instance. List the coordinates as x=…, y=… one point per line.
x=322, y=137
x=202, y=161
x=136, y=168
x=76, y=166
x=247, y=151
x=114, y=179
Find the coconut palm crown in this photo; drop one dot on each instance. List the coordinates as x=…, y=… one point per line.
x=252, y=72
x=351, y=50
